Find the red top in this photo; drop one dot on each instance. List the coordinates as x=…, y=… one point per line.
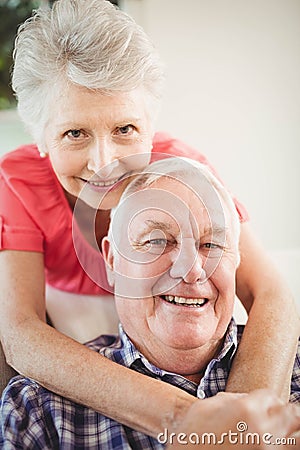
x=35, y=216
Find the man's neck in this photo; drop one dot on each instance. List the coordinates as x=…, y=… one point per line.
x=190, y=364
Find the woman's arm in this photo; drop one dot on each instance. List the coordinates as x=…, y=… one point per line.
x=272, y=330
x=68, y=368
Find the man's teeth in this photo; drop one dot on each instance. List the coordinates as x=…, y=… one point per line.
x=103, y=183
x=184, y=301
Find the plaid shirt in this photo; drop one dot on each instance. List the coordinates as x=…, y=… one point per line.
x=34, y=418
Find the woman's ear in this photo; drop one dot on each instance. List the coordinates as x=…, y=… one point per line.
x=108, y=256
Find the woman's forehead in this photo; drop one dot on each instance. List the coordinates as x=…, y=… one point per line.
x=75, y=102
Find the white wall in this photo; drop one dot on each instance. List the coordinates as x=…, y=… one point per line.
x=233, y=92
x=12, y=132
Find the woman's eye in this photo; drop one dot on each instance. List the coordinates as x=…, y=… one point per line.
x=74, y=134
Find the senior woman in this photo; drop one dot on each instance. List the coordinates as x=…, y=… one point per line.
x=88, y=83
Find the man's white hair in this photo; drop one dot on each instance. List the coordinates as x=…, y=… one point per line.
x=87, y=42
x=194, y=175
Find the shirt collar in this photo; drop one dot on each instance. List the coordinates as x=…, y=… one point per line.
x=129, y=353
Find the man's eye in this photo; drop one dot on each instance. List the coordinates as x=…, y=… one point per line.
x=159, y=245
x=126, y=129
x=155, y=246
x=210, y=245
x=74, y=134
x=157, y=242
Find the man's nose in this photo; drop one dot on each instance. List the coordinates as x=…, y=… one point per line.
x=102, y=158
x=189, y=264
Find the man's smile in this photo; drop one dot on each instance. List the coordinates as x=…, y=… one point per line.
x=184, y=301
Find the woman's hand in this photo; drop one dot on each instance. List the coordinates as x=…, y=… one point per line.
x=254, y=421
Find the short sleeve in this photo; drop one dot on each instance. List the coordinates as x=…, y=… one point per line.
x=166, y=146
x=18, y=231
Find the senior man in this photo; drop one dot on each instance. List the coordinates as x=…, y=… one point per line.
x=171, y=256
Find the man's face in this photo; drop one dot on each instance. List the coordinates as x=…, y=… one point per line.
x=174, y=267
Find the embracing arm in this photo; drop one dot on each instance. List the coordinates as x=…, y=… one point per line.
x=68, y=368
x=267, y=350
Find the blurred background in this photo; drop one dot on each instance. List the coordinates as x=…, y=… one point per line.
x=232, y=91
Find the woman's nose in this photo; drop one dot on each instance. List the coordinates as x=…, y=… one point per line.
x=102, y=158
x=188, y=264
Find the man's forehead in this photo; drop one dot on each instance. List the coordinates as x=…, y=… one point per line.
x=183, y=189
x=197, y=194
x=169, y=202
x=199, y=224
x=167, y=223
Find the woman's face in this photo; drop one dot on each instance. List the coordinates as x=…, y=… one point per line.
x=96, y=142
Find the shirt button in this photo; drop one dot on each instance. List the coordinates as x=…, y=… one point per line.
x=201, y=394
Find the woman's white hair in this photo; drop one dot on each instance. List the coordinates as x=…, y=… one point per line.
x=195, y=176
x=87, y=42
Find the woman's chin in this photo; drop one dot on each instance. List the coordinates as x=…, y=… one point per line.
x=100, y=198
x=104, y=203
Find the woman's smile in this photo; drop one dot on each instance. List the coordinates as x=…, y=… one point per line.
x=103, y=185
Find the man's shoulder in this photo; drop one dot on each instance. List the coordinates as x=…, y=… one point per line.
x=21, y=393
x=24, y=397
x=19, y=383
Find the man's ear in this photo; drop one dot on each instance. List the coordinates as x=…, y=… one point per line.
x=108, y=257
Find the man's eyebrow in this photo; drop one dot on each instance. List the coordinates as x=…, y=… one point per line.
x=215, y=230
x=155, y=224
x=150, y=225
